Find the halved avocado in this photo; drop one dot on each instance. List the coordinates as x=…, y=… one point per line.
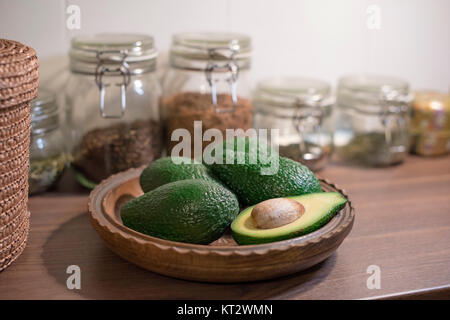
x=319, y=209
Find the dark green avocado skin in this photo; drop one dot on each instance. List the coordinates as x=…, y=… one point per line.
x=163, y=171
x=192, y=211
x=246, y=240
x=252, y=187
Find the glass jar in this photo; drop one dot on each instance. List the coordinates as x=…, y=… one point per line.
x=371, y=120
x=301, y=109
x=208, y=81
x=48, y=154
x=112, y=99
x=430, y=123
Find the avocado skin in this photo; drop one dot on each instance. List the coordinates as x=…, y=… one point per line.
x=249, y=143
x=192, y=211
x=248, y=240
x=251, y=187
x=163, y=171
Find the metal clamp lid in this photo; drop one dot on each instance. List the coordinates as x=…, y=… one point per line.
x=393, y=106
x=85, y=52
x=232, y=67
x=308, y=115
x=122, y=69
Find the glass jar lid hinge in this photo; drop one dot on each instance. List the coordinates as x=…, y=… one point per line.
x=393, y=106
x=232, y=68
x=103, y=69
x=308, y=119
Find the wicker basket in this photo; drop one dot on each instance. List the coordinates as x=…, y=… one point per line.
x=19, y=79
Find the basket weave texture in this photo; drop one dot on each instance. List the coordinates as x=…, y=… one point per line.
x=19, y=80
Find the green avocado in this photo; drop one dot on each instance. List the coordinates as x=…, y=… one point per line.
x=192, y=211
x=247, y=144
x=166, y=170
x=255, y=179
x=319, y=209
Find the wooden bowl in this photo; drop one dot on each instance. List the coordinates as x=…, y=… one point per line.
x=222, y=260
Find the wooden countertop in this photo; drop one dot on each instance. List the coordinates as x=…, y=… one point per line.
x=402, y=225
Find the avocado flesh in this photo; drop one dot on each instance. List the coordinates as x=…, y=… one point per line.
x=164, y=170
x=192, y=211
x=319, y=209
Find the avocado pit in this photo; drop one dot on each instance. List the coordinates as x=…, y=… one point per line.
x=274, y=213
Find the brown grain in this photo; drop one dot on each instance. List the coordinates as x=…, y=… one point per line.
x=105, y=151
x=182, y=109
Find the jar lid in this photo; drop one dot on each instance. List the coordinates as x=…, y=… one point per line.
x=432, y=101
x=44, y=112
x=372, y=91
x=292, y=91
x=211, y=46
x=137, y=50
x=19, y=76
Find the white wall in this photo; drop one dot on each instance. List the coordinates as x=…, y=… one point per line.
x=319, y=38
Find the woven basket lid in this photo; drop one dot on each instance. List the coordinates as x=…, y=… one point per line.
x=19, y=77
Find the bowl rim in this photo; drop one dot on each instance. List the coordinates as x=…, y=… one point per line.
x=340, y=221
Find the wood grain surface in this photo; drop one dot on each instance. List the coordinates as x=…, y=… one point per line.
x=402, y=225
